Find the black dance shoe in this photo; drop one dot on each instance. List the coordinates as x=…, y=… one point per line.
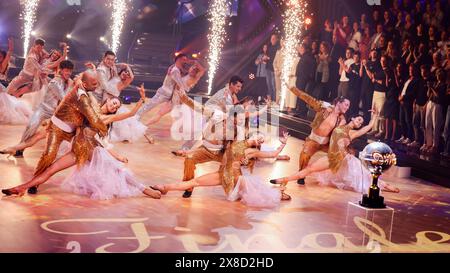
x=32, y=190
x=187, y=193
x=9, y=192
x=273, y=181
x=19, y=153
x=301, y=181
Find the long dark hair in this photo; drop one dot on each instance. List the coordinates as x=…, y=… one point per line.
x=110, y=126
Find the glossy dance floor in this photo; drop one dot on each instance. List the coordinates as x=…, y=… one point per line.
x=317, y=219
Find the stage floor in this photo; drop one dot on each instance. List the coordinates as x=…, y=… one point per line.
x=317, y=219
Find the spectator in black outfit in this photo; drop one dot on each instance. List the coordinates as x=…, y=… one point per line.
x=368, y=69
x=305, y=72
x=406, y=99
x=336, y=52
x=391, y=106
x=355, y=84
x=326, y=35
x=273, y=46
x=419, y=107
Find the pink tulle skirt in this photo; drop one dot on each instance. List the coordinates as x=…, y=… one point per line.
x=351, y=175
x=254, y=192
x=103, y=178
x=13, y=110
x=130, y=129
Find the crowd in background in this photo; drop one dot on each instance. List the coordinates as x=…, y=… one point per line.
x=395, y=60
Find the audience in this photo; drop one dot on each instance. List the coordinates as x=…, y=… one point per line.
x=396, y=59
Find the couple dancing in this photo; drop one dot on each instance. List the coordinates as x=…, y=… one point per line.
x=79, y=119
x=340, y=167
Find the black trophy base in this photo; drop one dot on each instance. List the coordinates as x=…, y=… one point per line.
x=373, y=203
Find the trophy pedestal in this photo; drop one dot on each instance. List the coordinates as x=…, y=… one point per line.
x=372, y=203
x=361, y=221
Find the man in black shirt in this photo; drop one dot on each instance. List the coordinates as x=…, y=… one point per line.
x=270, y=76
x=305, y=71
x=354, y=76
x=380, y=83
x=406, y=98
x=368, y=69
x=419, y=107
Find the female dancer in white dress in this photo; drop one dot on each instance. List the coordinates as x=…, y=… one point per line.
x=102, y=176
x=130, y=129
x=12, y=110
x=340, y=167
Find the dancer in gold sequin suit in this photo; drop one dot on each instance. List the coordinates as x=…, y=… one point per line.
x=237, y=182
x=86, y=143
x=340, y=167
x=327, y=118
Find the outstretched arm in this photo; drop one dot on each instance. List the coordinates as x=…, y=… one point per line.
x=207, y=112
x=124, y=84
x=117, y=156
x=176, y=76
x=314, y=103
x=55, y=64
x=117, y=117
x=272, y=154
x=357, y=133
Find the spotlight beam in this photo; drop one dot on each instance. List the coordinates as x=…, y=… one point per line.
x=216, y=37
x=29, y=17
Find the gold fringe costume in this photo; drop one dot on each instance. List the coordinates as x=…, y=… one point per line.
x=338, y=150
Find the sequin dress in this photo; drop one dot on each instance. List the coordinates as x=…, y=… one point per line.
x=240, y=184
x=345, y=171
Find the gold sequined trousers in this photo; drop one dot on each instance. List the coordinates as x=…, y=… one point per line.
x=199, y=155
x=310, y=147
x=54, y=138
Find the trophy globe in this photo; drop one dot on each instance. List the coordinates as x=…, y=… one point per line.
x=376, y=157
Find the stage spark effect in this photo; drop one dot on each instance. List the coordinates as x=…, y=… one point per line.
x=216, y=37
x=29, y=17
x=293, y=20
x=118, y=17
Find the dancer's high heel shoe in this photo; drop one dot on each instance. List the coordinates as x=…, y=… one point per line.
x=13, y=191
x=150, y=139
x=18, y=153
x=275, y=181
x=162, y=189
x=180, y=153
x=6, y=152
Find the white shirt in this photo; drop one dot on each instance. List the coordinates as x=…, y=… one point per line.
x=344, y=77
x=32, y=64
x=173, y=79
x=405, y=87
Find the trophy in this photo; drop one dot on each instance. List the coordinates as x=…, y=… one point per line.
x=376, y=157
